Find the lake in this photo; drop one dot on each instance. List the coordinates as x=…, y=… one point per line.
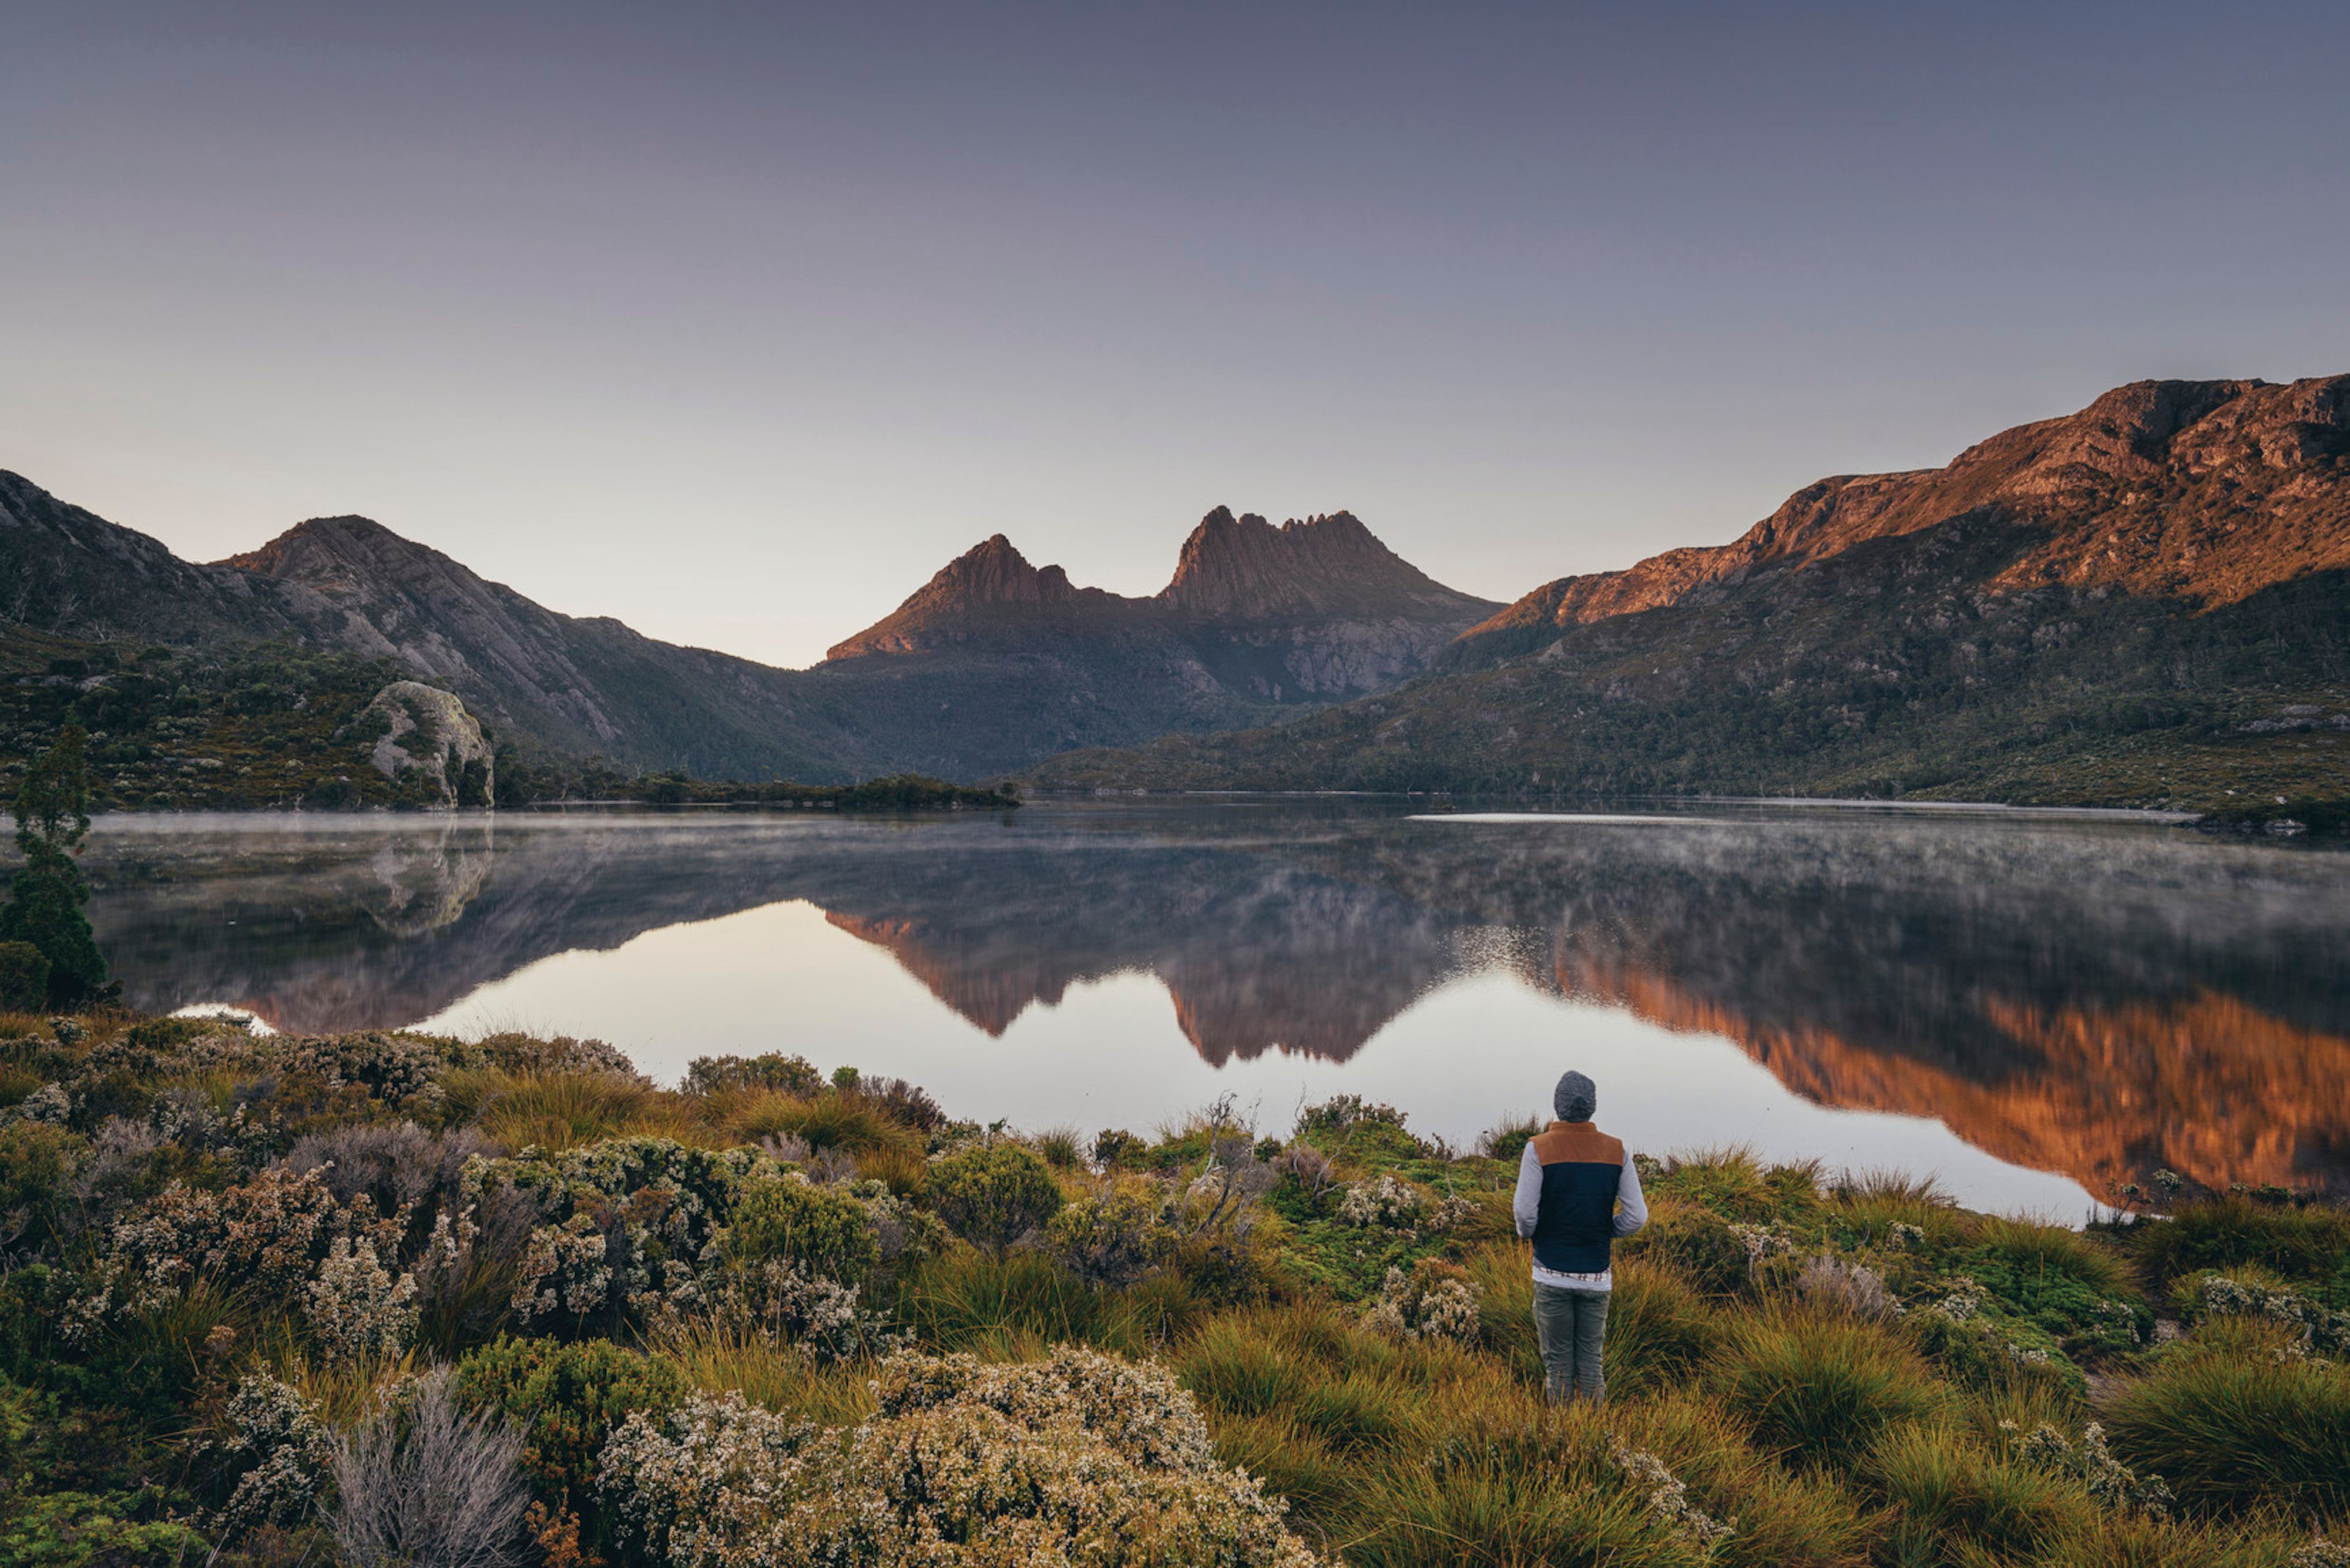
x=2033, y=1005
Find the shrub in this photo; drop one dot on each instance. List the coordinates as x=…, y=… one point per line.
x=1385, y=1204
x=1434, y=1301
x=1018, y=1303
x=423, y=1482
x=76, y=1529
x=1946, y=1488
x=269, y=1234
x=1061, y=1148
x=282, y=1450
x=1977, y=1344
x=1079, y=1454
x=2310, y=1244
x=1507, y=1141
x=796, y=1220
x=993, y=1196
x=566, y=1400
x=794, y=1075
x=1110, y=1238
x=356, y=1309
x=1363, y=1128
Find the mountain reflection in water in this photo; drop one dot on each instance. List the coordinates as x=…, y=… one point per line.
x=2087, y=997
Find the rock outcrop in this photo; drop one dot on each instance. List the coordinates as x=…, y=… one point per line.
x=424, y=738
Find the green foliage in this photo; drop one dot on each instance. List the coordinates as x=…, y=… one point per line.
x=792, y=1218
x=1112, y=1238
x=568, y=1399
x=76, y=1529
x=993, y=1195
x=1399, y=1414
x=1696, y=1241
x=23, y=976
x=44, y=908
x=794, y=1074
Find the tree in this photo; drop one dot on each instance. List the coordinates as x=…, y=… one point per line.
x=44, y=901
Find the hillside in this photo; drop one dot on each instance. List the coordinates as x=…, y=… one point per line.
x=2147, y=602
x=991, y=666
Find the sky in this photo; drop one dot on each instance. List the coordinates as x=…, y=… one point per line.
x=737, y=321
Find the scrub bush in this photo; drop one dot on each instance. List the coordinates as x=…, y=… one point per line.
x=565, y=1401
x=1079, y=1457
x=993, y=1196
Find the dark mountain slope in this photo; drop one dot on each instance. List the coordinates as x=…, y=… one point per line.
x=992, y=665
x=2147, y=601
x=579, y=685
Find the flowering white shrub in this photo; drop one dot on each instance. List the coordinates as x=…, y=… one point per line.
x=390, y=1066
x=1668, y=1494
x=1761, y=1242
x=1082, y=1458
x=1385, y=1204
x=2322, y=1553
x=1434, y=1301
x=565, y=1273
x=2320, y=1329
x=50, y=1102
x=2110, y=1481
x=1908, y=1238
x=355, y=1308
x=289, y=1450
x=269, y=1233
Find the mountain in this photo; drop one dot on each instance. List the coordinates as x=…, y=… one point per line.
x=2147, y=601
x=990, y=667
x=579, y=685
x=996, y=663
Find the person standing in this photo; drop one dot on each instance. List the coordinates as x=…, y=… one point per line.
x=1578, y=1192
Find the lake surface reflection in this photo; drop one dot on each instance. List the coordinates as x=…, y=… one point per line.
x=2031, y=1005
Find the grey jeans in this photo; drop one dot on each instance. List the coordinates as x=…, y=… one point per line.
x=1571, y=1327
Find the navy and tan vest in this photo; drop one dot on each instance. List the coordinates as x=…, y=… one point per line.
x=1581, y=1169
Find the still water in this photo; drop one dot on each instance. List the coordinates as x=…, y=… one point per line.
x=2032, y=1006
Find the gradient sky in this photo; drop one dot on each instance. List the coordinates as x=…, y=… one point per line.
x=737, y=321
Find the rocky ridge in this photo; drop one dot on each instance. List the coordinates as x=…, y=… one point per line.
x=2134, y=605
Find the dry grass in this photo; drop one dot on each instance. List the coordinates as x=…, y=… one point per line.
x=560, y=1110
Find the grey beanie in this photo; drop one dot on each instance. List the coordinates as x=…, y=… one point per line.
x=1575, y=1099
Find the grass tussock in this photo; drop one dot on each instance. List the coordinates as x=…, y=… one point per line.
x=2235, y=1418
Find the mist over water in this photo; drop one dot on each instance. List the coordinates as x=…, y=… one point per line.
x=2032, y=1006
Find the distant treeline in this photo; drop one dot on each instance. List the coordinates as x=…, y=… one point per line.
x=260, y=726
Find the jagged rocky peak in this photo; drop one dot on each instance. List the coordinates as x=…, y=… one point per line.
x=994, y=572
x=1327, y=565
x=990, y=583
